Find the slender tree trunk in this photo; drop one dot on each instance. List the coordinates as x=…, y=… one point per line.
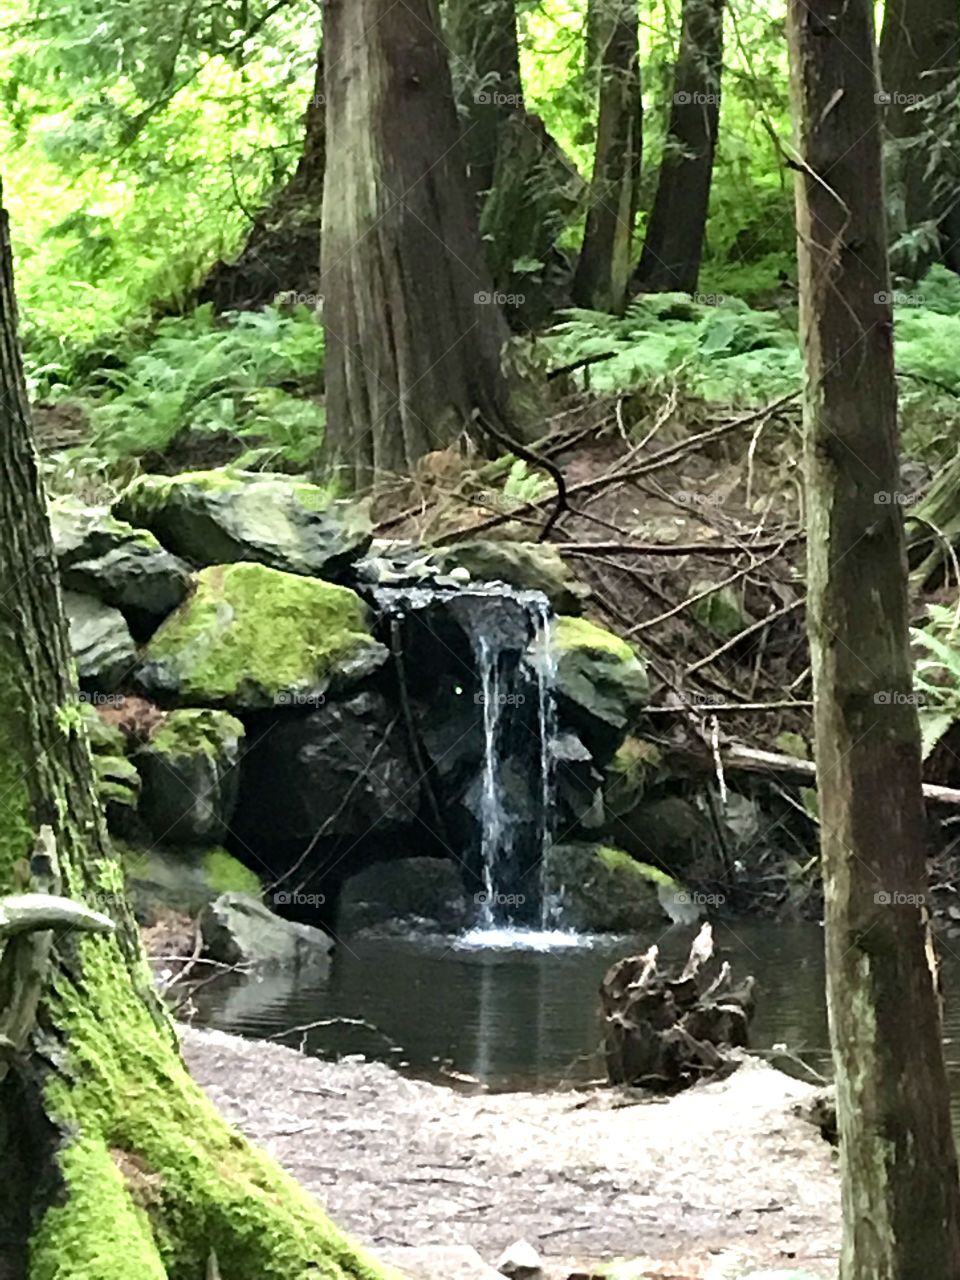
x=482, y=35
x=901, y=1203
x=675, y=233
x=603, y=269
x=919, y=71
x=282, y=251
x=414, y=335
x=113, y=1164
x=526, y=189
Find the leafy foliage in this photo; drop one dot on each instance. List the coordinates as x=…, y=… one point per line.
x=936, y=675
x=238, y=376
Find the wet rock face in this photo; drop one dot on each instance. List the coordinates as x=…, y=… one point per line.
x=411, y=893
x=595, y=888
x=124, y=567
x=100, y=641
x=338, y=773
x=237, y=929
x=190, y=777
x=222, y=517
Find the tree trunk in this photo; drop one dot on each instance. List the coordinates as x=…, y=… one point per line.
x=414, y=334
x=526, y=189
x=674, y=241
x=901, y=1203
x=113, y=1164
x=603, y=270
x=919, y=69
x=483, y=40
x=282, y=250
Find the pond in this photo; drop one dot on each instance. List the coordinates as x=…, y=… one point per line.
x=519, y=1017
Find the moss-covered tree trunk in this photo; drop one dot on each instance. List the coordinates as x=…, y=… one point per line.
x=603, y=269
x=414, y=333
x=673, y=245
x=901, y=1201
x=113, y=1164
x=919, y=72
x=281, y=253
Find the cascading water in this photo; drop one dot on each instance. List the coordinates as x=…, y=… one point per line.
x=546, y=668
x=495, y=825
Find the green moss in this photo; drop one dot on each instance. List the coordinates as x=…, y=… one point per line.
x=579, y=633
x=150, y=493
x=618, y=861
x=128, y=1100
x=191, y=732
x=250, y=635
x=227, y=875
x=100, y=1233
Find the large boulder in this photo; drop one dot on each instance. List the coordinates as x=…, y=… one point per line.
x=252, y=637
x=190, y=777
x=185, y=881
x=221, y=517
x=527, y=566
x=238, y=929
x=601, y=683
x=343, y=770
x=100, y=641
x=595, y=888
x=412, y=892
x=127, y=568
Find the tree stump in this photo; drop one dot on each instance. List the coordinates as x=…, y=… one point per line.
x=667, y=1032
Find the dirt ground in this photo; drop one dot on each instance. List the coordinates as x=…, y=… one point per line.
x=718, y=1180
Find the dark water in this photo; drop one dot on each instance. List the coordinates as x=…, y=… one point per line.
x=516, y=1018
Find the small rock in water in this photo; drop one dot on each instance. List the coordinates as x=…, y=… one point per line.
x=520, y=1261
x=459, y=574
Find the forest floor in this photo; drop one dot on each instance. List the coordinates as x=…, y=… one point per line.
x=718, y=1180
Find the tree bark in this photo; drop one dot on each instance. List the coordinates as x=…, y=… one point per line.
x=483, y=39
x=414, y=333
x=603, y=269
x=901, y=1203
x=919, y=70
x=675, y=233
x=113, y=1164
x=281, y=253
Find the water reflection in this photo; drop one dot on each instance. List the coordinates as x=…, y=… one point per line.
x=524, y=1017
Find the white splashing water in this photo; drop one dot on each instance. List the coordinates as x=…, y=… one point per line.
x=495, y=823
x=546, y=667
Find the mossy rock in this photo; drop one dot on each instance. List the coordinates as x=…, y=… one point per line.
x=190, y=776
x=116, y=779
x=183, y=880
x=601, y=683
x=595, y=888
x=228, y=516
x=252, y=637
x=127, y=568
x=527, y=566
x=721, y=611
x=629, y=774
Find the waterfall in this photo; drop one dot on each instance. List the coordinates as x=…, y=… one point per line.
x=508, y=681
x=495, y=822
